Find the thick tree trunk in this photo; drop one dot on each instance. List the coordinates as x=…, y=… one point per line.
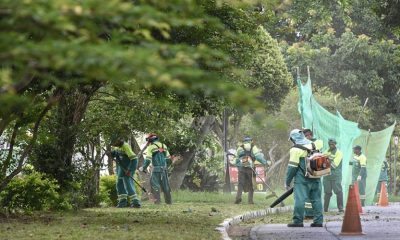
x=70, y=112
x=203, y=126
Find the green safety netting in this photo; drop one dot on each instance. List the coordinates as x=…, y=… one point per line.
x=327, y=125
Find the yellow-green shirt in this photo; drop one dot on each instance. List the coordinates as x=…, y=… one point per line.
x=362, y=160
x=296, y=153
x=319, y=144
x=152, y=148
x=128, y=150
x=336, y=158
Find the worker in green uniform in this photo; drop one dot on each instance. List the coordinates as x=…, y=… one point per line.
x=247, y=154
x=333, y=181
x=304, y=187
x=383, y=177
x=319, y=144
x=360, y=171
x=158, y=155
x=126, y=166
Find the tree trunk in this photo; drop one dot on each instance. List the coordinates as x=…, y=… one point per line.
x=203, y=126
x=70, y=112
x=110, y=165
x=237, y=119
x=233, y=137
x=94, y=182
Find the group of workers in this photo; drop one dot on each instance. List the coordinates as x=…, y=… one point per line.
x=127, y=162
x=307, y=190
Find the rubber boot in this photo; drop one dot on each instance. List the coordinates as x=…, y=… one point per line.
x=167, y=196
x=238, y=197
x=339, y=198
x=157, y=197
x=251, y=194
x=295, y=225
x=134, y=202
x=122, y=203
x=316, y=225
x=327, y=199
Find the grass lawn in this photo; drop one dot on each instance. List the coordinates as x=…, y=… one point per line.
x=192, y=216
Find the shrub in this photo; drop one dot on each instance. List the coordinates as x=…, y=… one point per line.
x=31, y=193
x=108, y=191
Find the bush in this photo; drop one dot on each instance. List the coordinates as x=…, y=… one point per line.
x=74, y=196
x=108, y=191
x=32, y=193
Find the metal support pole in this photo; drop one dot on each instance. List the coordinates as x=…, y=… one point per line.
x=390, y=187
x=298, y=73
x=362, y=110
x=396, y=142
x=227, y=187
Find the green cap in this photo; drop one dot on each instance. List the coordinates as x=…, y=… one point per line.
x=332, y=140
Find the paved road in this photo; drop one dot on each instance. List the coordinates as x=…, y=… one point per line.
x=377, y=223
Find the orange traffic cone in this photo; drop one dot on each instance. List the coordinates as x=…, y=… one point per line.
x=351, y=222
x=357, y=191
x=383, y=198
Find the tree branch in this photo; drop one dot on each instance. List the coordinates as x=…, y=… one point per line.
x=270, y=152
x=51, y=101
x=9, y=155
x=276, y=164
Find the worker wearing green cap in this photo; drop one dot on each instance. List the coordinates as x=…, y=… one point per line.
x=360, y=171
x=333, y=182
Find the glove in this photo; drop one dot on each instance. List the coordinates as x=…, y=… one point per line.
x=287, y=187
x=127, y=173
x=359, y=178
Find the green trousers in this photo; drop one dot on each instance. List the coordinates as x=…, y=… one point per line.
x=308, y=211
x=333, y=183
x=303, y=191
x=245, y=183
x=126, y=192
x=357, y=170
x=159, y=182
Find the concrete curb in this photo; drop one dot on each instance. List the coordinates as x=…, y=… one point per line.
x=227, y=223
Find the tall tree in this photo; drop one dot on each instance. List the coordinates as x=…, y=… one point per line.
x=52, y=50
x=354, y=66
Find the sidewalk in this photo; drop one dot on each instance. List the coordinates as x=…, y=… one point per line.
x=377, y=223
